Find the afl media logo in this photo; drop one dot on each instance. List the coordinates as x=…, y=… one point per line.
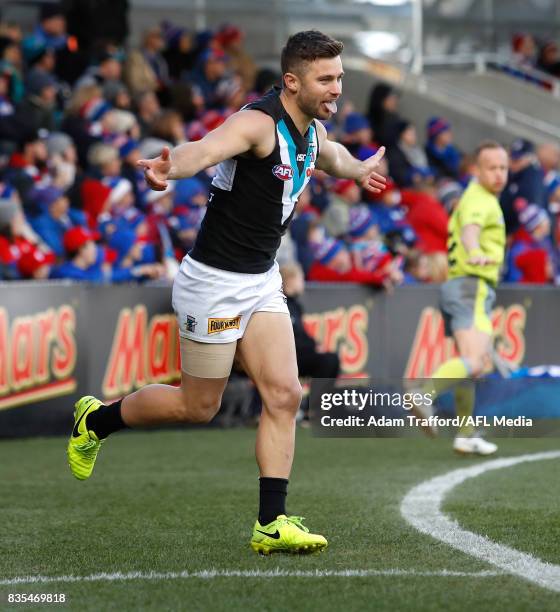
x=283, y=172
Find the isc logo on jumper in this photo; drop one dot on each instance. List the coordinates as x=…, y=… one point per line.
x=216, y=326
x=283, y=172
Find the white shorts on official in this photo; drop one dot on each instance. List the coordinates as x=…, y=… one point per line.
x=214, y=305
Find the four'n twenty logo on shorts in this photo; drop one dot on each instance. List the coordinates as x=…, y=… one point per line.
x=283, y=172
x=219, y=325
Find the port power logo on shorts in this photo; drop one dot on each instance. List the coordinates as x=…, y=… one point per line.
x=190, y=324
x=283, y=172
x=216, y=326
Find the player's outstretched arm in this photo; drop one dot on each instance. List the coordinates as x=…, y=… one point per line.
x=244, y=131
x=336, y=160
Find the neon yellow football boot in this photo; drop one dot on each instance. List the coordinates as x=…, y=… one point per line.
x=83, y=445
x=286, y=534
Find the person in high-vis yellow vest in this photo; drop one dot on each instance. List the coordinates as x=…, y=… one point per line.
x=475, y=246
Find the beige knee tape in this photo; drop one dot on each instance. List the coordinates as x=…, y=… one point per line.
x=207, y=360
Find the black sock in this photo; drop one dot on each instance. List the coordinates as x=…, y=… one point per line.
x=273, y=493
x=106, y=420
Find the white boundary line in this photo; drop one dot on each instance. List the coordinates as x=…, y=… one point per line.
x=421, y=508
x=215, y=573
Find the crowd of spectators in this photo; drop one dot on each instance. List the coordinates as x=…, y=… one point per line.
x=532, y=60
x=73, y=203
x=528, y=52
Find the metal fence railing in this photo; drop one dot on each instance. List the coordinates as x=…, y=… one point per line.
x=483, y=62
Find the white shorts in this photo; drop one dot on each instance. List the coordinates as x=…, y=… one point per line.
x=215, y=306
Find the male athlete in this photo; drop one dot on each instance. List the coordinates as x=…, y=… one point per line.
x=475, y=247
x=227, y=294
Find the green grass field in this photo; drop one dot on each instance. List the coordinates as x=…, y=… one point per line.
x=186, y=501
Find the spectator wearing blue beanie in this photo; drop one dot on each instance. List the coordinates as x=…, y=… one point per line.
x=129, y=250
x=358, y=136
x=301, y=229
x=332, y=252
x=190, y=199
x=129, y=152
x=184, y=228
x=355, y=122
x=56, y=218
x=443, y=155
x=531, y=255
x=190, y=192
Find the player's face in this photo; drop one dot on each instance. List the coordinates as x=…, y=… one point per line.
x=492, y=169
x=320, y=87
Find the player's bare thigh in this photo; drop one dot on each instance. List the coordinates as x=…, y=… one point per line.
x=267, y=353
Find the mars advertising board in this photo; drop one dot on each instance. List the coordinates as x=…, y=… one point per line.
x=58, y=342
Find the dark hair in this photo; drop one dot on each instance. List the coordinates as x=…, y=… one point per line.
x=379, y=93
x=487, y=144
x=307, y=47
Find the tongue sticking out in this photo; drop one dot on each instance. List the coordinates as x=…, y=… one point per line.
x=331, y=106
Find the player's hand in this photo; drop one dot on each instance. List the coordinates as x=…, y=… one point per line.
x=480, y=260
x=369, y=179
x=156, y=171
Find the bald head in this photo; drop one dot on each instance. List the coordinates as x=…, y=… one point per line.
x=491, y=167
x=549, y=156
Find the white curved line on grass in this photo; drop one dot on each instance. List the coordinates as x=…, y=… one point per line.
x=421, y=507
x=215, y=573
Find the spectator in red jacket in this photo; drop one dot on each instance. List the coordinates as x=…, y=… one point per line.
x=16, y=235
x=428, y=219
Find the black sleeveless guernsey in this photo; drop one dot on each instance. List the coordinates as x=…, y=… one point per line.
x=252, y=200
